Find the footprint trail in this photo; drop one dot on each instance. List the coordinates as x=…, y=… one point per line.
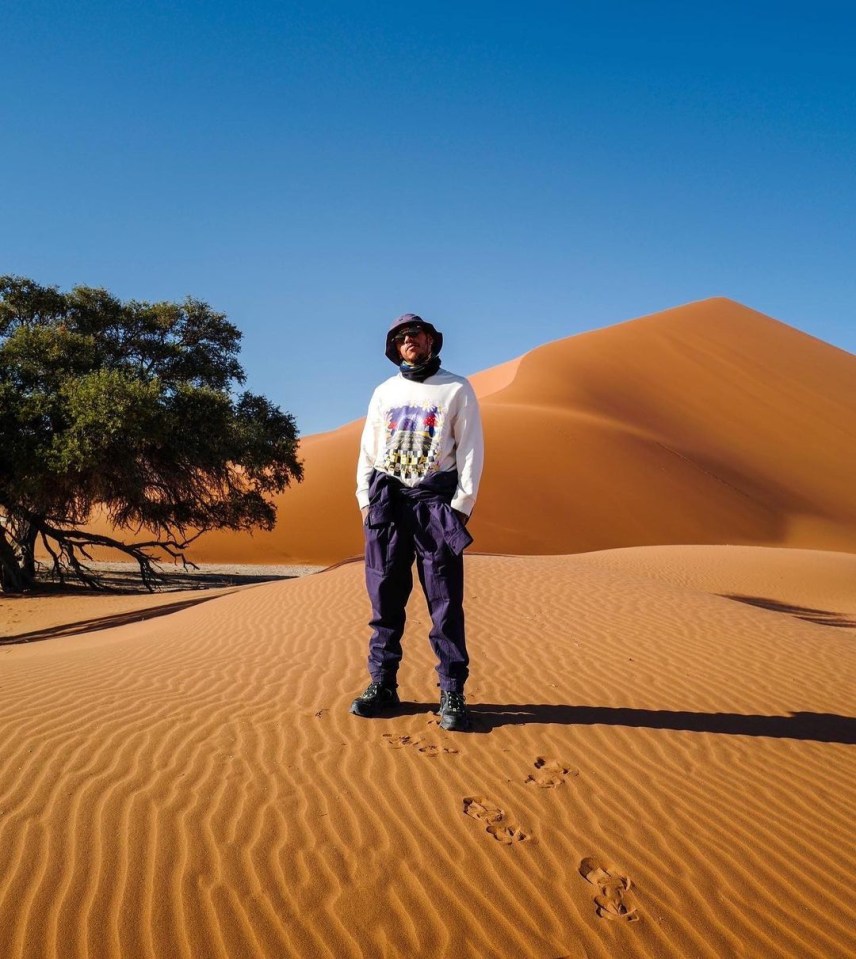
x=425, y=749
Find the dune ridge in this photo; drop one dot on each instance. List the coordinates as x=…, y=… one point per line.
x=661, y=769
x=707, y=423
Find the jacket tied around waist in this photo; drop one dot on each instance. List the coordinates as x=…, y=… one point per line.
x=387, y=497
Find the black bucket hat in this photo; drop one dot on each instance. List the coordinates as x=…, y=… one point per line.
x=410, y=319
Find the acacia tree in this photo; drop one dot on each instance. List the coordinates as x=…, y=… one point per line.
x=128, y=408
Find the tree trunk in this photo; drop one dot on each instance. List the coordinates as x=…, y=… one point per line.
x=13, y=578
x=27, y=546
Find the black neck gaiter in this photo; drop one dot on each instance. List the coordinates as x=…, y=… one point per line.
x=421, y=372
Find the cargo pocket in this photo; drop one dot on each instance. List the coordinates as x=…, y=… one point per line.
x=443, y=577
x=378, y=547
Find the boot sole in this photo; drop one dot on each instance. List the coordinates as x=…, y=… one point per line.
x=455, y=725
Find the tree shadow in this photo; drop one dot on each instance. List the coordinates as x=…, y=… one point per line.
x=104, y=622
x=821, y=617
x=813, y=727
x=127, y=582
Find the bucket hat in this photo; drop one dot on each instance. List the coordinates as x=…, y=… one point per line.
x=410, y=319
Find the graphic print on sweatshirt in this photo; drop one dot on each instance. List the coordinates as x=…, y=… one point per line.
x=412, y=440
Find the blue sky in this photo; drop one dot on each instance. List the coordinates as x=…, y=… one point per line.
x=515, y=173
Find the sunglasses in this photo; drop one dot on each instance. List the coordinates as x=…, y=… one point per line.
x=411, y=331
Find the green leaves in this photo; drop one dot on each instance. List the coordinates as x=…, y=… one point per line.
x=107, y=413
x=130, y=407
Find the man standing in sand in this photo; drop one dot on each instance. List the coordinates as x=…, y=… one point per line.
x=418, y=474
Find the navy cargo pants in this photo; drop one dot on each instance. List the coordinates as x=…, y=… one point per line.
x=404, y=522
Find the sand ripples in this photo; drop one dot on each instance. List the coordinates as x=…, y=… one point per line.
x=194, y=786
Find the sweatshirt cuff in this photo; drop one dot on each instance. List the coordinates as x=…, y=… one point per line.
x=463, y=503
x=363, y=499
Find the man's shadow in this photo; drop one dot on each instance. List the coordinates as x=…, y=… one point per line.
x=813, y=727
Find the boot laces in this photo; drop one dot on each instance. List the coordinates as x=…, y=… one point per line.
x=454, y=703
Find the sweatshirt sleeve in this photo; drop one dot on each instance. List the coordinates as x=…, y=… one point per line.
x=469, y=450
x=368, y=450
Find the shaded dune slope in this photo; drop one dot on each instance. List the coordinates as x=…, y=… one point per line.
x=708, y=423
x=669, y=776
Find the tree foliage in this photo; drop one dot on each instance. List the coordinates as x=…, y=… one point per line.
x=129, y=408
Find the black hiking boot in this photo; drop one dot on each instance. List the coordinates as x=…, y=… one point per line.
x=375, y=700
x=454, y=714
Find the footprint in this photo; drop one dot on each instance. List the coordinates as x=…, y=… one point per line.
x=494, y=820
x=398, y=742
x=428, y=749
x=552, y=773
x=482, y=809
x=612, y=887
x=506, y=834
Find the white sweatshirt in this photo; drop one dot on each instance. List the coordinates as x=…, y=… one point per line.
x=414, y=429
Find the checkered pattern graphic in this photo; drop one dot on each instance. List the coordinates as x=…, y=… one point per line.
x=413, y=440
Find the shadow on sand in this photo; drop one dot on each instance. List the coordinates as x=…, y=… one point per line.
x=816, y=727
x=105, y=622
x=811, y=727
x=199, y=583
x=820, y=617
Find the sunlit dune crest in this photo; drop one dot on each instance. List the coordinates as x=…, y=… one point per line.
x=707, y=423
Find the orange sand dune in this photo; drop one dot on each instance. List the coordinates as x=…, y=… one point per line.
x=670, y=774
x=709, y=423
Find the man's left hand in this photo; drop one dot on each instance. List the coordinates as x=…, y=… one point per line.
x=461, y=516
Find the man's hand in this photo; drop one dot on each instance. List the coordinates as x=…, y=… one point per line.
x=461, y=516
x=365, y=512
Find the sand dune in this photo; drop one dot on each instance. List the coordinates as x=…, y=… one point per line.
x=663, y=762
x=663, y=767
x=708, y=423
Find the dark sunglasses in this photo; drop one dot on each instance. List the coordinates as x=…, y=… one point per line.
x=410, y=331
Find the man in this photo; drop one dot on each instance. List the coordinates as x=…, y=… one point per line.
x=418, y=474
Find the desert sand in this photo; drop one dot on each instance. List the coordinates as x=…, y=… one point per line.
x=663, y=762
x=663, y=766
x=71, y=609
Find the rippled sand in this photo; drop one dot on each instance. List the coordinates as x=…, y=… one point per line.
x=663, y=766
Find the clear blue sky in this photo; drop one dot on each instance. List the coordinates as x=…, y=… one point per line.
x=515, y=172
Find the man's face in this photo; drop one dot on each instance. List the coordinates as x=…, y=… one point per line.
x=414, y=345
